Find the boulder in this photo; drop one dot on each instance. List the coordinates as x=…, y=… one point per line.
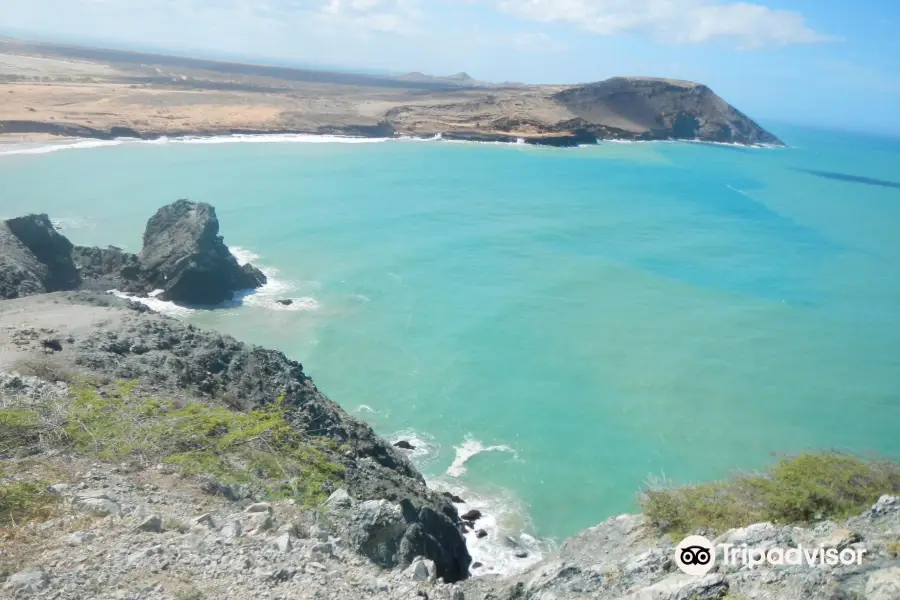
x=28, y=582
x=471, y=516
x=404, y=445
x=883, y=584
x=109, y=268
x=396, y=534
x=184, y=255
x=284, y=543
x=251, y=278
x=152, y=524
x=97, y=506
x=52, y=249
x=34, y=258
x=421, y=569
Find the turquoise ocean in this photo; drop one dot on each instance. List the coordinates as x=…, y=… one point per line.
x=551, y=328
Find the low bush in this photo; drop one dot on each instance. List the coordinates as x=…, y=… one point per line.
x=801, y=489
x=258, y=448
x=25, y=502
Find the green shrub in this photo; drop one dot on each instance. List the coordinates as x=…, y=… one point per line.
x=25, y=502
x=258, y=447
x=18, y=428
x=801, y=489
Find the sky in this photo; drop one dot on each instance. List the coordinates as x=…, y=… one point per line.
x=829, y=63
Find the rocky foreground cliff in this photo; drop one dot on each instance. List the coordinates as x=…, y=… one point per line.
x=130, y=94
x=143, y=458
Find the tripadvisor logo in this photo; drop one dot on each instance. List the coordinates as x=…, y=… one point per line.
x=696, y=555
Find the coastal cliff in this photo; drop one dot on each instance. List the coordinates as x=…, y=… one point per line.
x=144, y=458
x=147, y=96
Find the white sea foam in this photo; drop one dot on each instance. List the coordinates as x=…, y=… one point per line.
x=46, y=149
x=469, y=448
x=303, y=138
x=266, y=296
x=505, y=520
x=275, y=289
x=741, y=192
x=365, y=408
x=160, y=306
x=425, y=448
x=67, y=223
x=265, y=138
x=504, y=517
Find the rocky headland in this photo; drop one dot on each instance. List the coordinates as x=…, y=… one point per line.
x=183, y=258
x=107, y=94
x=144, y=458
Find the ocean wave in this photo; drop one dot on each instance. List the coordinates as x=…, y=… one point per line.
x=160, y=306
x=425, y=448
x=275, y=289
x=469, y=448
x=263, y=138
x=266, y=297
x=307, y=138
x=509, y=547
x=741, y=192
x=46, y=149
x=66, y=223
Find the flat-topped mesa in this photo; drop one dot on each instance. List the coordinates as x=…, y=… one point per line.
x=650, y=108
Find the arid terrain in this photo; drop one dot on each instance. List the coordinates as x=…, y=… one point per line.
x=88, y=92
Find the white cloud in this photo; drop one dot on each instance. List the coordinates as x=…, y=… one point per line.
x=680, y=21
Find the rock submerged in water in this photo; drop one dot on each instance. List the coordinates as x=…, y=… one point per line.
x=285, y=302
x=453, y=498
x=404, y=445
x=472, y=516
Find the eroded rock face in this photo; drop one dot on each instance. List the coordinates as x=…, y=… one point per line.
x=650, y=108
x=109, y=268
x=185, y=256
x=397, y=534
x=34, y=258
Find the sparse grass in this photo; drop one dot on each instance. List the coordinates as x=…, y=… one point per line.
x=801, y=489
x=18, y=428
x=46, y=368
x=893, y=548
x=258, y=448
x=25, y=502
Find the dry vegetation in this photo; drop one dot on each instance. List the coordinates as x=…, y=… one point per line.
x=802, y=489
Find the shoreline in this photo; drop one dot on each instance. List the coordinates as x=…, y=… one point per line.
x=41, y=143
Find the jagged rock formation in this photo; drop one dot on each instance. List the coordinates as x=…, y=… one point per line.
x=623, y=559
x=110, y=339
x=34, y=258
x=183, y=255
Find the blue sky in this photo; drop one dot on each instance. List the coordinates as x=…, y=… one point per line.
x=823, y=62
